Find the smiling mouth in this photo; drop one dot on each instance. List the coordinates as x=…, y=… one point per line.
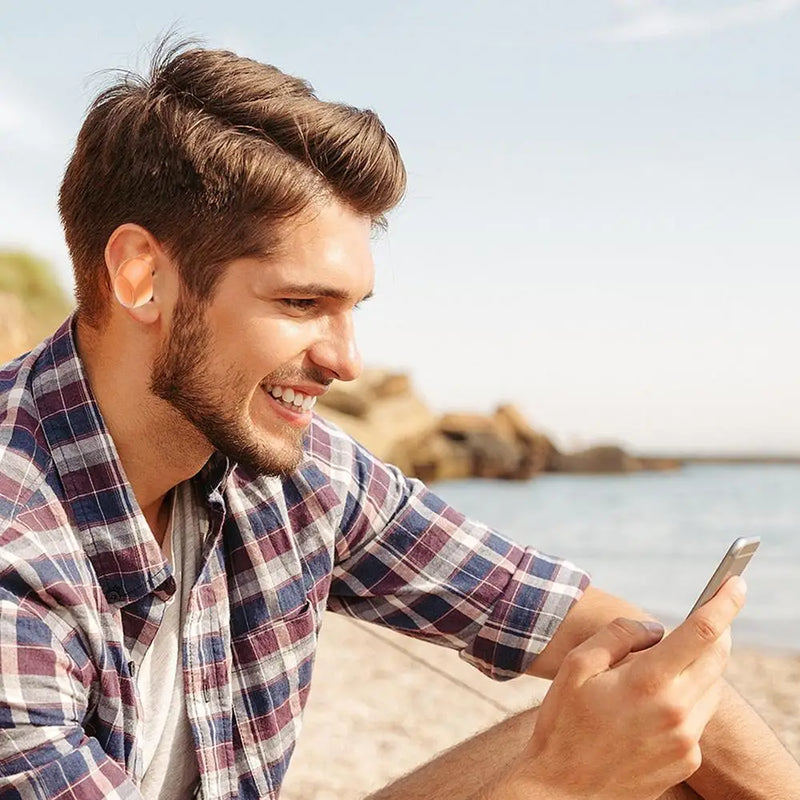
x=291, y=399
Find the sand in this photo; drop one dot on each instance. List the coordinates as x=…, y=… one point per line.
x=376, y=712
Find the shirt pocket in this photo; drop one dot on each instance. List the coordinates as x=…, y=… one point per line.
x=272, y=676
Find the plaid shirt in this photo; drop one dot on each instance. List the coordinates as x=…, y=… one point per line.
x=83, y=586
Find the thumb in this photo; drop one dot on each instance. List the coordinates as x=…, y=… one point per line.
x=610, y=645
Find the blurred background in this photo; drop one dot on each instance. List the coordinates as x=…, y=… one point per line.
x=601, y=228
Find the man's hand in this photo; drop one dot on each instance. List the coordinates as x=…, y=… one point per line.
x=613, y=728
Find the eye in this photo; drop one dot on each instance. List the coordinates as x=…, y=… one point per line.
x=300, y=303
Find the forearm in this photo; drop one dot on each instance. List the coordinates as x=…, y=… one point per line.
x=742, y=758
x=593, y=611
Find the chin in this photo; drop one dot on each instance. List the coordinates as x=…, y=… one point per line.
x=271, y=454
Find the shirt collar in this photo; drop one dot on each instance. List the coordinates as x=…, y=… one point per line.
x=126, y=558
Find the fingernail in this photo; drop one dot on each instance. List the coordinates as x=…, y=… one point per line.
x=653, y=626
x=739, y=586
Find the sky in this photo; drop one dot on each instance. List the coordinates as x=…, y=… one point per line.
x=602, y=222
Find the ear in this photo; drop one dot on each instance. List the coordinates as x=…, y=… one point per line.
x=132, y=259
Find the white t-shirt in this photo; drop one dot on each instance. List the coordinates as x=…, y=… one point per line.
x=170, y=761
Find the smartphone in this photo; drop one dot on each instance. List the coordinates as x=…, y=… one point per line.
x=734, y=562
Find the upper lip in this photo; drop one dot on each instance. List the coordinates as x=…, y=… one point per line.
x=309, y=391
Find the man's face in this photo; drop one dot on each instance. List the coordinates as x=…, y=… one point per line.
x=275, y=335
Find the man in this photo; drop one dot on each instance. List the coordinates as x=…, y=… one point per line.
x=174, y=519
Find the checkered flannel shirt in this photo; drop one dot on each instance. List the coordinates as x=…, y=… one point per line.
x=83, y=586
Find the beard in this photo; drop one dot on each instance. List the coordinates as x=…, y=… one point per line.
x=216, y=407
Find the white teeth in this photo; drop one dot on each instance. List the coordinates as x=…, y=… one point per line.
x=292, y=397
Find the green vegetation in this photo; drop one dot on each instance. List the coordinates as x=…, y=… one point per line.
x=32, y=280
x=32, y=303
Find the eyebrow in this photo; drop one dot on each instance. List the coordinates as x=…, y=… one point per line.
x=318, y=290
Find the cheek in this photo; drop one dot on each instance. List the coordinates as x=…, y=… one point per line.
x=263, y=345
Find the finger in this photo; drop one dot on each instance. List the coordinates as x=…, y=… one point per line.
x=698, y=633
x=690, y=733
x=706, y=670
x=609, y=646
x=705, y=708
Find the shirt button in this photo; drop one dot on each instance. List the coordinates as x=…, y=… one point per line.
x=112, y=596
x=132, y=668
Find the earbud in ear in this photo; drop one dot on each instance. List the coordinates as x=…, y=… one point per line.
x=133, y=283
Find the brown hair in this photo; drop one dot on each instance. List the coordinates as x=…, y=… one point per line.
x=211, y=153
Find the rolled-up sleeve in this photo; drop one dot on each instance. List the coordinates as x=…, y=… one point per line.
x=407, y=560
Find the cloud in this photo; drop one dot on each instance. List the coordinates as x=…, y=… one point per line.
x=655, y=19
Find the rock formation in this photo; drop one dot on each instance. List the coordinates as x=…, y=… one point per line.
x=382, y=411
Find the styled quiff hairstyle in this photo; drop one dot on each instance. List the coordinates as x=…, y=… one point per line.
x=211, y=153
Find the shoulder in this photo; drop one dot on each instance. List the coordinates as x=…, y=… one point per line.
x=328, y=445
x=326, y=466
x=24, y=456
x=337, y=474
x=371, y=492
x=345, y=462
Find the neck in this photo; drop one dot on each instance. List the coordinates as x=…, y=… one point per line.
x=157, y=446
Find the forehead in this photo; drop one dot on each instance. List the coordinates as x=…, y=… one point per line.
x=327, y=245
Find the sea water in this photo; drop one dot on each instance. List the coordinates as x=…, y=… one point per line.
x=655, y=538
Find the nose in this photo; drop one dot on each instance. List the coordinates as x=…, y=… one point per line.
x=337, y=351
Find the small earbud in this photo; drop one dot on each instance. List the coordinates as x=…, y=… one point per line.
x=133, y=283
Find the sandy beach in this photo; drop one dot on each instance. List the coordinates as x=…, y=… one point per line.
x=379, y=708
